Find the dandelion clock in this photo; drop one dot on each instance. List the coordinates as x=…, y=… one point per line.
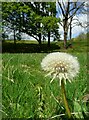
x=61, y=66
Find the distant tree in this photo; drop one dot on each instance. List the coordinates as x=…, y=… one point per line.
x=18, y=36
x=83, y=11
x=50, y=26
x=21, y=17
x=4, y=33
x=50, y=19
x=82, y=36
x=4, y=36
x=67, y=11
x=26, y=17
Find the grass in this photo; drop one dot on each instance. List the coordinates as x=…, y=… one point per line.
x=29, y=46
x=28, y=94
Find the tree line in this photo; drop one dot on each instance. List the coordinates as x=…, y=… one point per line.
x=33, y=18
x=38, y=19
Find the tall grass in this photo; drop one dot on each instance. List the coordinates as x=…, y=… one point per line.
x=27, y=93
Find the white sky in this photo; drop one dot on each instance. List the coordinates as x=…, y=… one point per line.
x=77, y=29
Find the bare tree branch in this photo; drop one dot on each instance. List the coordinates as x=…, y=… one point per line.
x=76, y=10
x=61, y=8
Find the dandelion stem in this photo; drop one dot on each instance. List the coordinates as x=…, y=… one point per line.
x=64, y=99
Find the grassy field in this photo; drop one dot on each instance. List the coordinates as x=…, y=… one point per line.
x=29, y=46
x=27, y=93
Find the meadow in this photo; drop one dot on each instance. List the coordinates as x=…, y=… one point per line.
x=27, y=93
x=31, y=46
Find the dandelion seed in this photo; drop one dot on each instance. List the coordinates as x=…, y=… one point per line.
x=61, y=66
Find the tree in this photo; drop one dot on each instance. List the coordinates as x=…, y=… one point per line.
x=83, y=11
x=67, y=11
x=51, y=27
x=4, y=36
x=26, y=17
x=22, y=18
x=50, y=13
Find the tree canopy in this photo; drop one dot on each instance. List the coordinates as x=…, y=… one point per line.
x=33, y=18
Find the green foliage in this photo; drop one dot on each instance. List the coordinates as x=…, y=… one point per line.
x=4, y=36
x=82, y=37
x=80, y=109
x=50, y=23
x=28, y=17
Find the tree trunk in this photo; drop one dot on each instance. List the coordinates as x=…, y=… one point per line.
x=14, y=38
x=65, y=33
x=49, y=39
x=70, y=32
x=65, y=39
x=20, y=27
x=71, y=28
x=39, y=38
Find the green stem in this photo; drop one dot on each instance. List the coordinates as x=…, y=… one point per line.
x=64, y=99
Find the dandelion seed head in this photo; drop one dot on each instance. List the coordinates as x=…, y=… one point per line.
x=60, y=65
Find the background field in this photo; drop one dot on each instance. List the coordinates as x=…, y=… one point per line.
x=27, y=93
x=30, y=46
